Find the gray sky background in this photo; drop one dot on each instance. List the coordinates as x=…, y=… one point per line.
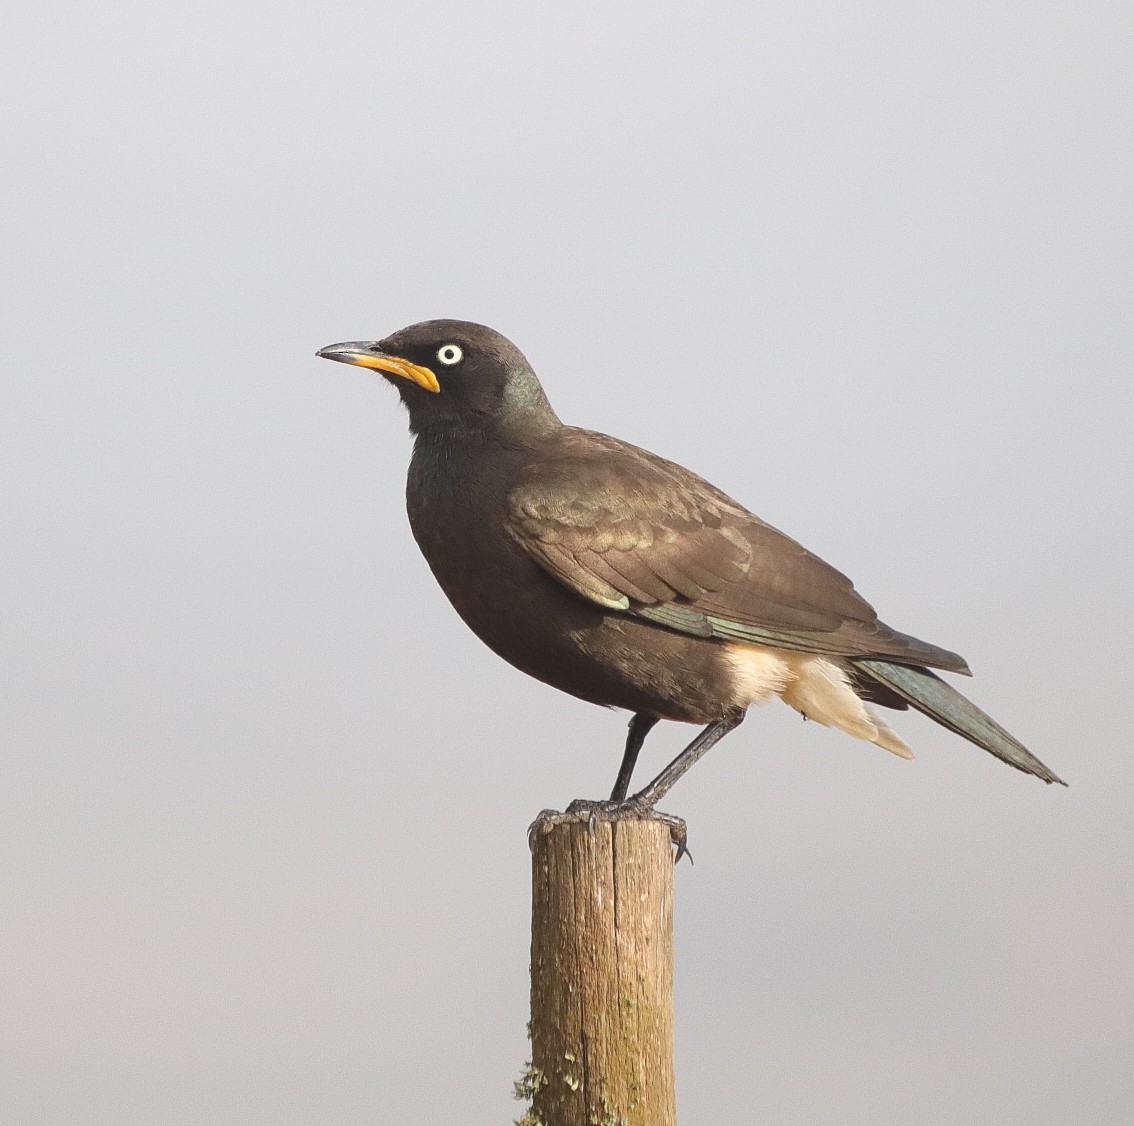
x=263, y=797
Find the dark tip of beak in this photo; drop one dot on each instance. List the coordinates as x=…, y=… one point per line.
x=345, y=353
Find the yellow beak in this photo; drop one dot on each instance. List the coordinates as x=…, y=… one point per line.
x=367, y=354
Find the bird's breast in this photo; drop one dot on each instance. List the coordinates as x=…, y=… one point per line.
x=458, y=511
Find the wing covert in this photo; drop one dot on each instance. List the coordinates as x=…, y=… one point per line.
x=638, y=534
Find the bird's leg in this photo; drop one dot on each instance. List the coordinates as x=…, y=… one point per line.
x=640, y=806
x=640, y=726
x=664, y=782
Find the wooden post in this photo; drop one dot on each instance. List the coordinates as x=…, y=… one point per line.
x=602, y=973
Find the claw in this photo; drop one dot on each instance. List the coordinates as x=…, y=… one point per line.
x=591, y=812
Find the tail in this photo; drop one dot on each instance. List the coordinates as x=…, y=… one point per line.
x=927, y=692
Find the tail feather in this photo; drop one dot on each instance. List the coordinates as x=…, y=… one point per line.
x=942, y=702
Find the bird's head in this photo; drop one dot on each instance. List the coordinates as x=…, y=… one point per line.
x=454, y=374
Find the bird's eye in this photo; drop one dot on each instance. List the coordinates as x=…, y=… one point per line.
x=450, y=354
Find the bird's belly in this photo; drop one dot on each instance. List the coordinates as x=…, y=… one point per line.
x=556, y=636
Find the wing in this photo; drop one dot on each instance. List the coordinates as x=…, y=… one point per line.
x=638, y=534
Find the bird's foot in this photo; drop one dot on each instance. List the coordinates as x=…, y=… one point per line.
x=582, y=811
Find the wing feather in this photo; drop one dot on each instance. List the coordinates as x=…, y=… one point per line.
x=635, y=533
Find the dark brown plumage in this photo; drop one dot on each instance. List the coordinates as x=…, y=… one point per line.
x=627, y=580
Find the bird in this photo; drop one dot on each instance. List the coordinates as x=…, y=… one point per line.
x=628, y=581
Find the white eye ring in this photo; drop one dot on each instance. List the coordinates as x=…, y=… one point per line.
x=450, y=354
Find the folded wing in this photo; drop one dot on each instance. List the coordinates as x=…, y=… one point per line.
x=635, y=533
